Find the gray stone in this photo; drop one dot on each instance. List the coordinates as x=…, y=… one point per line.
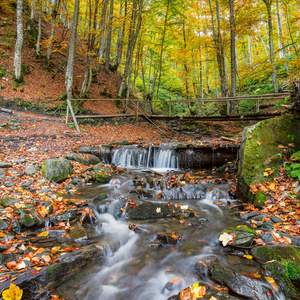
x=26, y=220
x=16, y=227
x=276, y=219
x=9, y=183
x=83, y=159
x=27, y=184
x=8, y=201
x=102, y=173
x=38, y=219
x=3, y=225
x=67, y=216
x=249, y=215
x=31, y=170
x=260, y=217
x=57, y=170
x=5, y=165
x=267, y=225
x=2, y=172
x=267, y=237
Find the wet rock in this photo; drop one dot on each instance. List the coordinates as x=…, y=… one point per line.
x=9, y=183
x=249, y=215
x=243, y=235
x=144, y=193
x=168, y=238
x=38, y=219
x=8, y=201
x=34, y=286
x=172, y=285
x=187, y=192
x=267, y=237
x=101, y=196
x=86, y=159
x=64, y=217
x=78, y=233
x=201, y=269
x=155, y=245
x=3, y=225
x=2, y=172
x=5, y=165
x=260, y=217
x=16, y=226
x=102, y=173
x=26, y=220
x=240, y=284
x=276, y=219
x=31, y=170
x=27, y=184
x=149, y=210
x=267, y=225
x=202, y=220
x=57, y=170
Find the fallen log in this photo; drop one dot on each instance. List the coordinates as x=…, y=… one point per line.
x=5, y=110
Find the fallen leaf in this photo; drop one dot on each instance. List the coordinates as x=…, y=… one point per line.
x=225, y=238
x=12, y=293
x=44, y=233
x=248, y=256
x=272, y=283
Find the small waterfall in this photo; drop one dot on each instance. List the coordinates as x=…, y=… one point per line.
x=149, y=158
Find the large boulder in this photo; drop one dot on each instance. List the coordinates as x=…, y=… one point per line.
x=259, y=150
x=57, y=170
x=85, y=159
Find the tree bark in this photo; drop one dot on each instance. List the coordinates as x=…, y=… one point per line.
x=70, y=66
x=281, y=43
x=108, y=39
x=38, y=41
x=54, y=15
x=121, y=32
x=102, y=31
x=17, y=75
x=233, y=52
x=271, y=45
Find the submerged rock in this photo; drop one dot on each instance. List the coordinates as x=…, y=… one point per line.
x=78, y=233
x=57, y=170
x=187, y=192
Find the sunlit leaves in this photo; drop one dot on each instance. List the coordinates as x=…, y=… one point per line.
x=13, y=293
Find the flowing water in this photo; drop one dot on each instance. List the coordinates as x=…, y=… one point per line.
x=136, y=265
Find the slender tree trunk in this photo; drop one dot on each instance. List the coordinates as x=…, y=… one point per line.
x=271, y=45
x=17, y=75
x=121, y=32
x=217, y=91
x=207, y=70
x=108, y=40
x=162, y=50
x=70, y=66
x=249, y=50
x=131, y=45
x=281, y=43
x=102, y=31
x=38, y=41
x=219, y=50
x=232, y=53
x=54, y=15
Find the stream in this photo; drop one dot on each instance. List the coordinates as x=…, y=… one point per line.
x=140, y=264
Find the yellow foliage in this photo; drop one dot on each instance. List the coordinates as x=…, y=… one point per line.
x=13, y=293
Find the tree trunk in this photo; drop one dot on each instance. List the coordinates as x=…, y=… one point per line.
x=281, y=43
x=108, y=40
x=219, y=50
x=207, y=71
x=17, y=75
x=54, y=15
x=102, y=31
x=271, y=46
x=131, y=45
x=232, y=52
x=121, y=32
x=70, y=66
x=38, y=41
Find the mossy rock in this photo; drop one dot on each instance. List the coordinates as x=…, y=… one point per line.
x=8, y=201
x=57, y=170
x=85, y=159
x=259, y=150
x=243, y=235
x=102, y=173
x=259, y=199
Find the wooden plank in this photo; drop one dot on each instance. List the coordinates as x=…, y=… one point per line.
x=106, y=116
x=217, y=118
x=8, y=111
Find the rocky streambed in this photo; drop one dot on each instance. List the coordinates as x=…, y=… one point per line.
x=94, y=231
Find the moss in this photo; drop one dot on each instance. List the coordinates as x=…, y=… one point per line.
x=293, y=270
x=54, y=272
x=259, y=199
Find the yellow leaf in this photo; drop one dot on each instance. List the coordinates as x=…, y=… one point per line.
x=198, y=291
x=43, y=233
x=13, y=293
x=248, y=256
x=266, y=174
x=272, y=186
x=272, y=283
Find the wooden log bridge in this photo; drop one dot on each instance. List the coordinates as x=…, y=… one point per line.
x=140, y=107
